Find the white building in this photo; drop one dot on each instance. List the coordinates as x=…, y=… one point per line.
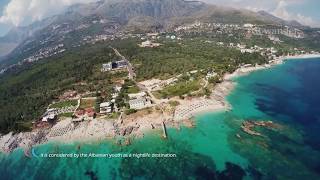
x=146, y=43
x=241, y=46
x=106, y=67
x=220, y=43
x=274, y=38
x=210, y=75
x=247, y=50
x=117, y=88
x=137, y=95
x=247, y=65
x=114, y=65
x=139, y=103
x=151, y=84
x=149, y=44
x=106, y=107
x=49, y=117
x=248, y=25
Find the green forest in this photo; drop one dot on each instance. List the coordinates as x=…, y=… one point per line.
x=26, y=92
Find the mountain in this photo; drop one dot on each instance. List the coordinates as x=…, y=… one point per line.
x=269, y=17
x=111, y=16
x=158, y=9
x=18, y=34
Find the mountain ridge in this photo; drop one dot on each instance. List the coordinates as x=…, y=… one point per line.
x=141, y=15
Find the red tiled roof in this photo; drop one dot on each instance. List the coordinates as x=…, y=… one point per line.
x=89, y=110
x=80, y=112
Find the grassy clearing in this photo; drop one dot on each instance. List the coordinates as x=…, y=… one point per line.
x=69, y=114
x=179, y=89
x=87, y=103
x=114, y=115
x=133, y=90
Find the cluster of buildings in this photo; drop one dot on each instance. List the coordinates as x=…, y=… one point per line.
x=110, y=106
x=254, y=29
x=3, y=71
x=274, y=39
x=244, y=49
x=136, y=101
x=277, y=30
x=111, y=35
x=84, y=114
x=41, y=54
x=270, y=52
x=107, y=107
x=210, y=75
x=45, y=53
x=200, y=26
x=114, y=65
x=97, y=38
x=139, y=101
x=50, y=115
x=148, y=43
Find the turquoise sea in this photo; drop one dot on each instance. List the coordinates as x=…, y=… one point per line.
x=216, y=148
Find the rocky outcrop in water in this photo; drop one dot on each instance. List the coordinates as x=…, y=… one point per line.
x=248, y=126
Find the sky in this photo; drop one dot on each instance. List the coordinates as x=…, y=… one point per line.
x=23, y=12
x=305, y=11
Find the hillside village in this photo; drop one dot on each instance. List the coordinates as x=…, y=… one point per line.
x=248, y=28
x=273, y=32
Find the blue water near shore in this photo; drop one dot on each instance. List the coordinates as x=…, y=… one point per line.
x=216, y=148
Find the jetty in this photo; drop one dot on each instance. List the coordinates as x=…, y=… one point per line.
x=27, y=151
x=164, y=129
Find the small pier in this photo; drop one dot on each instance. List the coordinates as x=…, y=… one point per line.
x=27, y=151
x=164, y=129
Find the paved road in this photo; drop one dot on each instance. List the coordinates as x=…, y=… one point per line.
x=131, y=73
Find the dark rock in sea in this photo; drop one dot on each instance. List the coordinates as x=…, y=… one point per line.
x=254, y=173
x=232, y=172
x=126, y=131
x=186, y=165
x=205, y=173
x=317, y=169
x=91, y=174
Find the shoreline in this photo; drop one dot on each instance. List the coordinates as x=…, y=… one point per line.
x=136, y=125
x=303, y=56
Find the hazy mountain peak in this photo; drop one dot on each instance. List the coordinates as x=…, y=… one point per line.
x=268, y=16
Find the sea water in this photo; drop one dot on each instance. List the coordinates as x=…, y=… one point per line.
x=216, y=148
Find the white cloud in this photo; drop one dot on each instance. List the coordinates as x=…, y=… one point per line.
x=18, y=12
x=281, y=11
x=279, y=8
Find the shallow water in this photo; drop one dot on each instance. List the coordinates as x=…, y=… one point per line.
x=287, y=94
